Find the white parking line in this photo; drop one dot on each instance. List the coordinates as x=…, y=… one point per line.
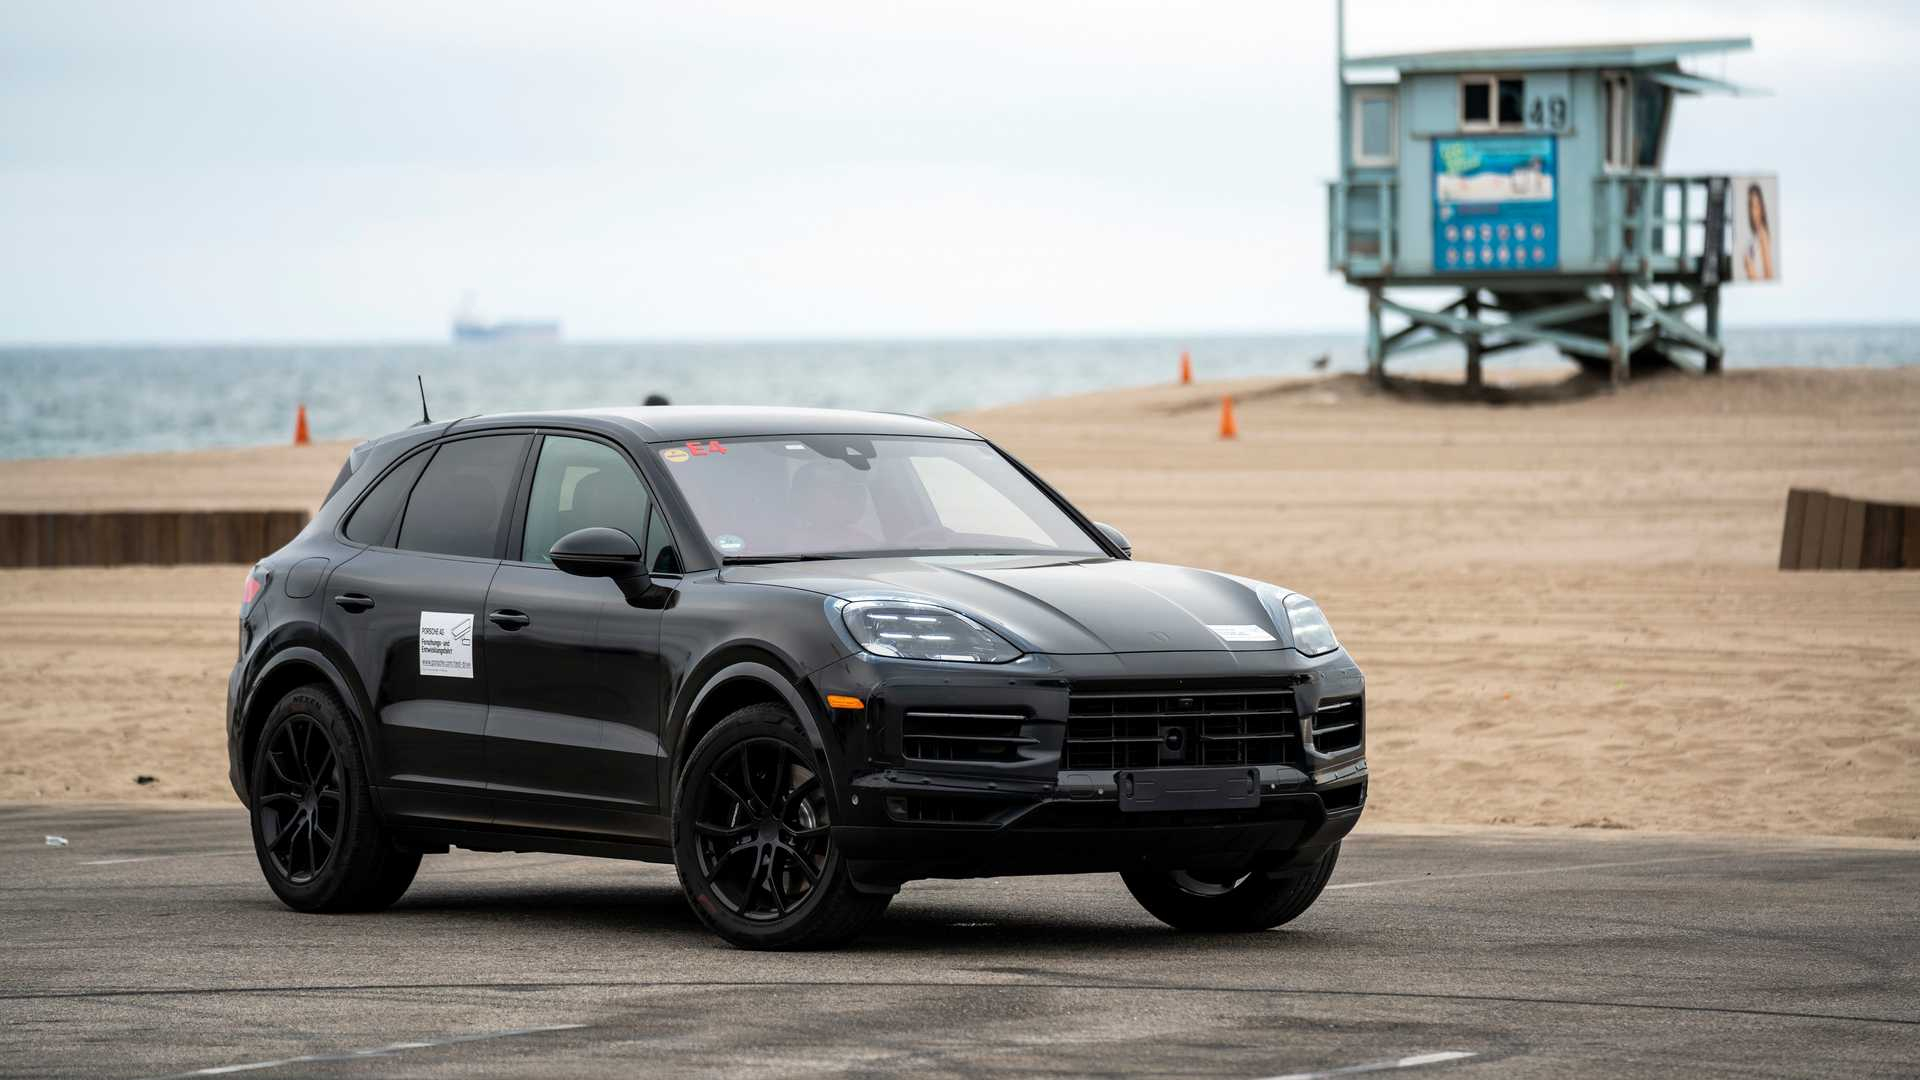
x=156, y=858
x=1413, y=1062
x=1533, y=870
x=378, y=1051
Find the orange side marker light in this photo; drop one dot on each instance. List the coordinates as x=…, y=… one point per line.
x=842, y=701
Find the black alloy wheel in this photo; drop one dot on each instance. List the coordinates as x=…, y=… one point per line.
x=301, y=799
x=753, y=838
x=1232, y=902
x=319, y=838
x=761, y=829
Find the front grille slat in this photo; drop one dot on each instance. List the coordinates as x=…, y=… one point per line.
x=1144, y=726
x=1079, y=695
x=1336, y=725
x=963, y=737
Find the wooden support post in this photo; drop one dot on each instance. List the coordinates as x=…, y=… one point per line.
x=1617, y=343
x=1812, y=528
x=1376, y=345
x=1475, y=384
x=1796, y=523
x=1712, y=298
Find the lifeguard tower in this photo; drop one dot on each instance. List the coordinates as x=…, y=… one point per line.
x=1528, y=183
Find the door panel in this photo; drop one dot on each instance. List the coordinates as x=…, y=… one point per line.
x=574, y=702
x=411, y=618
x=430, y=729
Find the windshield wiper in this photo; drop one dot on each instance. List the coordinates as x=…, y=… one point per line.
x=754, y=560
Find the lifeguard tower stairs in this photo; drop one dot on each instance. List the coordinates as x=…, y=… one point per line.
x=1527, y=183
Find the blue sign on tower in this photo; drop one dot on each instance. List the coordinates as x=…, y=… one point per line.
x=1494, y=204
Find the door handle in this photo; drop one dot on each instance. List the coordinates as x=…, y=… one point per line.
x=354, y=601
x=508, y=619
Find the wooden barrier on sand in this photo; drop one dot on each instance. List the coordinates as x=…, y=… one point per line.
x=145, y=537
x=1833, y=532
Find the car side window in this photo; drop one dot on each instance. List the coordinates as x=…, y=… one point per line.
x=372, y=521
x=459, y=505
x=662, y=556
x=581, y=484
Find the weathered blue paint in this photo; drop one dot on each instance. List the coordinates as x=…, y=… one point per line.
x=1616, y=226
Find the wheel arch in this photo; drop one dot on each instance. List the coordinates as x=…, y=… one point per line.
x=745, y=677
x=288, y=670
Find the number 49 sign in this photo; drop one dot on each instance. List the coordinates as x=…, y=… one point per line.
x=1547, y=112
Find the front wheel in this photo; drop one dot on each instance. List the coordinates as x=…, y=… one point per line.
x=753, y=841
x=1230, y=903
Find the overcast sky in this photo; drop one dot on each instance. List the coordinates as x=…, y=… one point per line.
x=234, y=171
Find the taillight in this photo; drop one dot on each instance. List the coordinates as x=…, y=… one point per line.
x=255, y=585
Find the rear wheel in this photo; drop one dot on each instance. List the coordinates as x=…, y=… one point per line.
x=1230, y=903
x=752, y=838
x=315, y=830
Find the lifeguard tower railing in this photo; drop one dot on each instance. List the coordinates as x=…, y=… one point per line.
x=1645, y=224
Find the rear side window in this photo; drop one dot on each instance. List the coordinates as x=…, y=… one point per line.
x=372, y=521
x=581, y=484
x=460, y=503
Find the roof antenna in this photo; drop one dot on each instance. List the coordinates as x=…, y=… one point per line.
x=424, y=418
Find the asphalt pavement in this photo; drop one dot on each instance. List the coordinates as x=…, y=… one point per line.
x=148, y=946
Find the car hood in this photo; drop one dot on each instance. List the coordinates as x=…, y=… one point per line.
x=1056, y=605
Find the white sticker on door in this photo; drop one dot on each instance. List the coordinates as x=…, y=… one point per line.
x=446, y=644
x=1248, y=632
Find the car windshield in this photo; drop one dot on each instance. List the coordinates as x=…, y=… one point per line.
x=824, y=496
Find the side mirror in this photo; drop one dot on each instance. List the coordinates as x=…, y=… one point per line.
x=1116, y=538
x=599, y=552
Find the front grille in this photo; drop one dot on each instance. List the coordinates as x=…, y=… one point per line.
x=988, y=737
x=1150, y=727
x=1336, y=726
x=940, y=810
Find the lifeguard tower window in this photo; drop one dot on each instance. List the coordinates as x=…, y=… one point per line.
x=1619, y=122
x=1492, y=103
x=1374, y=134
x=1636, y=128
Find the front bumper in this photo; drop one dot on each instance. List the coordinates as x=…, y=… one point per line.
x=1038, y=806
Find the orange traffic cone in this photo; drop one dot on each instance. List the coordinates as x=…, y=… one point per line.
x=301, y=436
x=1228, y=429
x=1186, y=369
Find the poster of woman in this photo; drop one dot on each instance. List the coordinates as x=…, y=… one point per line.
x=1756, y=228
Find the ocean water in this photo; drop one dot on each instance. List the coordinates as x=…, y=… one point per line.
x=61, y=401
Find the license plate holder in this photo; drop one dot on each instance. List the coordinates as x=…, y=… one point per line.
x=1232, y=788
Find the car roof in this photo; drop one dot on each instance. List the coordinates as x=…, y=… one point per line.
x=671, y=423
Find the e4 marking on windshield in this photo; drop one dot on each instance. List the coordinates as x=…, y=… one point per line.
x=694, y=448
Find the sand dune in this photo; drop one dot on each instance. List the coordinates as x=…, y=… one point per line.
x=1568, y=612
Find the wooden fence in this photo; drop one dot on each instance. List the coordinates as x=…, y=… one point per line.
x=1833, y=532
x=149, y=537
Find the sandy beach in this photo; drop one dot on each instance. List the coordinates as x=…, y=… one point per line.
x=1568, y=611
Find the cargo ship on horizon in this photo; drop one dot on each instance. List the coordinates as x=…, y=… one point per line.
x=470, y=328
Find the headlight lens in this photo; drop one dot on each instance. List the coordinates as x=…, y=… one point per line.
x=1312, y=634
x=923, y=632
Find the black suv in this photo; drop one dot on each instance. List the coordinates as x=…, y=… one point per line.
x=803, y=655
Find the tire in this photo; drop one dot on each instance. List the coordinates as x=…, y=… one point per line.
x=752, y=839
x=319, y=839
x=1256, y=902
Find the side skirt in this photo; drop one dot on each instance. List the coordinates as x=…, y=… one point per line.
x=436, y=840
